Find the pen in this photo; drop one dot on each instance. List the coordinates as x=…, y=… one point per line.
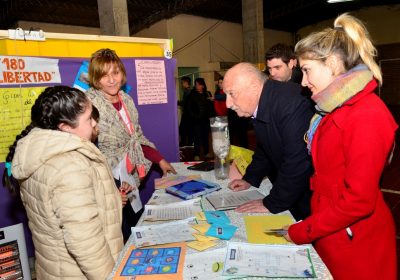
x=276, y=231
x=349, y=233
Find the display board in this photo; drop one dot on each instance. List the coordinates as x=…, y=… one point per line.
x=27, y=67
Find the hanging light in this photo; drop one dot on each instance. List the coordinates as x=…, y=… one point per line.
x=337, y=1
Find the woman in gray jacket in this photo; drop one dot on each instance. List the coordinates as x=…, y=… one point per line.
x=67, y=188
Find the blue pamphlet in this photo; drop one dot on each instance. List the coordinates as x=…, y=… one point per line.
x=193, y=188
x=221, y=231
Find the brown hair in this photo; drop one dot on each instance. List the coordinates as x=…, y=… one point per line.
x=349, y=40
x=100, y=64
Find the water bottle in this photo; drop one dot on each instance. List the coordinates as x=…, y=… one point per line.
x=221, y=146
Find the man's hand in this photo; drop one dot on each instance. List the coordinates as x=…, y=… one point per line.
x=166, y=167
x=238, y=185
x=254, y=206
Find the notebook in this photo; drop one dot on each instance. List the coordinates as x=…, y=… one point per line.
x=193, y=188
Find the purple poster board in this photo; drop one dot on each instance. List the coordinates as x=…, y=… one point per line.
x=158, y=121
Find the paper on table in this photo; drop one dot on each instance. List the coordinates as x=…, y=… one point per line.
x=244, y=259
x=160, y=197
x=200, y=237
x=202, y=245
x=176, y=231
x=231, y=200
x=175, y=211
x=205, y=265
x=257, y=225
x=200, y=216
x=202, y=228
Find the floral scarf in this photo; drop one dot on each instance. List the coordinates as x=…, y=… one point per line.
x=343, y=88
x=115, y=141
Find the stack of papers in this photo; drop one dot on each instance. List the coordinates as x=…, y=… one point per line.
x=177, y=231
x=174, y=211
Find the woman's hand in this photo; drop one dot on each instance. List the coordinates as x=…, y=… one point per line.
x=124, y=189
x=287, y=237
x=166, y=167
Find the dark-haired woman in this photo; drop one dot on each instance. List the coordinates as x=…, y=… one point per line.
x=201, y=108
x=67, y=188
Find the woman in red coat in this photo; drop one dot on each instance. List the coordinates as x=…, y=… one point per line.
x=350, y=138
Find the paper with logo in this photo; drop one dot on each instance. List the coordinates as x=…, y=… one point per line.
x=244, y=259
x=161, y=262
x=174, y=211
x=257, y=225
x=164, y=182
x=177, y=231
x=221, y=231
x=206, y=265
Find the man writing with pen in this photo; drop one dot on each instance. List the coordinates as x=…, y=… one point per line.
x=281, y=116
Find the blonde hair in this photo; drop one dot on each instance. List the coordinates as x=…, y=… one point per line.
x=349, y=40
x=100, y=64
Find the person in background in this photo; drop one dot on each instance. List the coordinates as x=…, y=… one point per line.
x=280, y=118
x=185, y=127
x=351, y=138
x=66, y=186
x=128, y=152
x=281, y=64
x=220, y=99
x=201, y=108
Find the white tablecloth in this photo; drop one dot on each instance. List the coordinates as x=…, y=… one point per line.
x=236, y=219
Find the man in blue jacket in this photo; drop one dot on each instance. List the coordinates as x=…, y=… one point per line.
x=281, y=116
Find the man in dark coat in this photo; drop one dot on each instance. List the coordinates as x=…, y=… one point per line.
x=281, y=116
x=281, y=65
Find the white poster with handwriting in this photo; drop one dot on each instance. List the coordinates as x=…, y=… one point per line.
x=151, y=82
x=28, y=70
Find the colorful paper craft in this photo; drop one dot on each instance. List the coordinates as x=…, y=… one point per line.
x=221, y=231
x=159, y=262
x=200, y=216
x=202, y=228
x=201, y=238
x=216, y=217
x=202, y=245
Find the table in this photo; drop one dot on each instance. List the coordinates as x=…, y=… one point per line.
x=321, y=270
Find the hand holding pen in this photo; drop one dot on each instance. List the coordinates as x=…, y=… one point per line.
x=280, y=232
